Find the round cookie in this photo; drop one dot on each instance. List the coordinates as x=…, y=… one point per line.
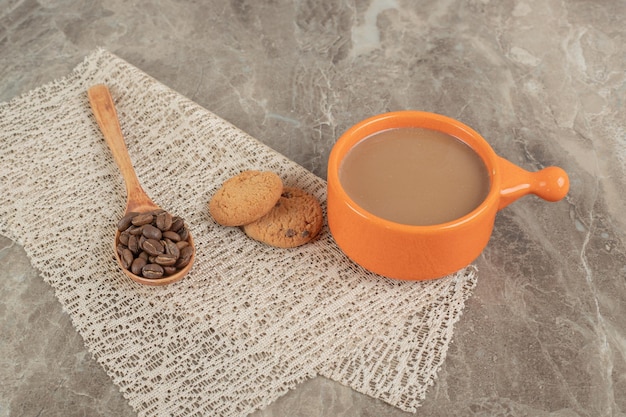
x=245, y=197
x=295, y=219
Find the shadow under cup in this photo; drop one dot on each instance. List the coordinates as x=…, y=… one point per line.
x=410, y=252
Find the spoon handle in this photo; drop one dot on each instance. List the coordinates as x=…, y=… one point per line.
x=104, y=110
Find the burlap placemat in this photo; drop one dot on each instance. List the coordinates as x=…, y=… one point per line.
x=249, y=322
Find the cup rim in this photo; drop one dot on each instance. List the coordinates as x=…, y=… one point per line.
x=420, y=119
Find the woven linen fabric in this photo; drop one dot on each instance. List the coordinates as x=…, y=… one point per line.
x=249, y=322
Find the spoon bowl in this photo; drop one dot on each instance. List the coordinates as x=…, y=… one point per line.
x=137, y=200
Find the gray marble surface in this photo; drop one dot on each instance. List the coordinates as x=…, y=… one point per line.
x=544, y=81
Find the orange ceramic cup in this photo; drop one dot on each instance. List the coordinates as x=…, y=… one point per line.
x=425, y=252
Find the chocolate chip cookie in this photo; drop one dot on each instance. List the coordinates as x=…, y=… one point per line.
x=293, y=221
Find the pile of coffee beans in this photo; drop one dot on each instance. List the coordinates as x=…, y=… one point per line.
x=154, y=244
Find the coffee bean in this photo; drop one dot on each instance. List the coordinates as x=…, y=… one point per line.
x=133, y=244
x=152, y=271
x=153, y=247
x=185, y=257
x=165, y=259
x=138, y=265
x=124, y=237
x=135, y=230
x=171, y=236
x=125, y=221
x=142, y=240
x=151, y=232
x=171, y=248
x=153, y=244
x=141, y=219
x=164, y=221
x=183, y=233
x=177, y=224
x=126, y=258
x=169, y=270
x=120, y=248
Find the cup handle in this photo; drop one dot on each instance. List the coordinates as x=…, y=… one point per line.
x=551, y=183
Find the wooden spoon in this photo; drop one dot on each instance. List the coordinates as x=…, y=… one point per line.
x=137, y=199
